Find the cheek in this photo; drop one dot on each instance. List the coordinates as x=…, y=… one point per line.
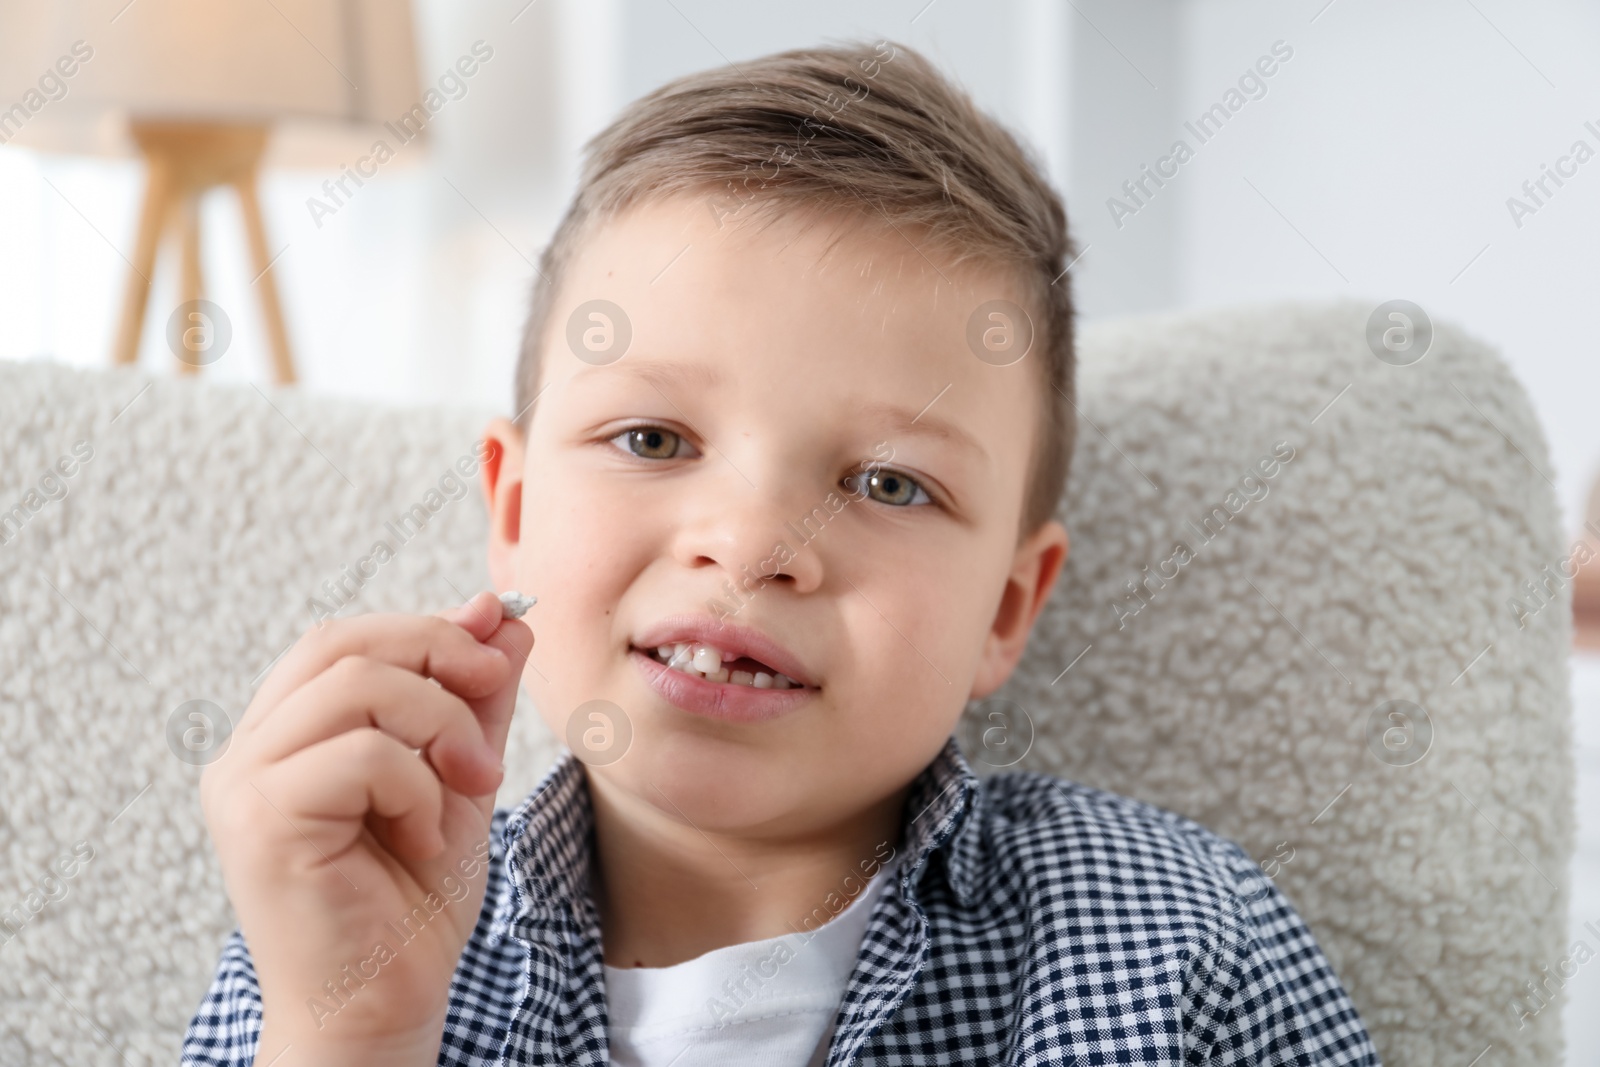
x=579, y=552
x=898, y=710
x=914, y=646
x=578, y=533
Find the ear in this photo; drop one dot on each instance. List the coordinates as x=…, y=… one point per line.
x=1033, y=575
x=501, y=477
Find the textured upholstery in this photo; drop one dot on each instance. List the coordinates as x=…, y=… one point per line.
x=1240, y=686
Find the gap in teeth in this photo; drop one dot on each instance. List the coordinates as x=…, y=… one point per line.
x=705, y=661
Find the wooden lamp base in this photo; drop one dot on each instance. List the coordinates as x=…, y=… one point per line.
x=185, y=159
x=1586, y=607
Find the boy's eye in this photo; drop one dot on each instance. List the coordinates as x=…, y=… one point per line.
x=653, y=442
x=889, y=487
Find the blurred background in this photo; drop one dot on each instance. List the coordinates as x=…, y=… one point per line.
x=1396, y=151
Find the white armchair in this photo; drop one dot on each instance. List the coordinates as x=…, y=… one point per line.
x=1331, y=674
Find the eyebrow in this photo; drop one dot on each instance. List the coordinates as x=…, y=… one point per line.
x=661, y=373
x=920, y=424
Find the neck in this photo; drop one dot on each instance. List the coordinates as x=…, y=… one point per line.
x=667, y=892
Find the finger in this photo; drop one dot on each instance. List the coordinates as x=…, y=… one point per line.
x=515, y=639
x=357, y=693
x=326, y=791
x=483, y=616
x=423, y=644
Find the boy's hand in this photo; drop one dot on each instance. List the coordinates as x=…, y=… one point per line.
x=339, y=843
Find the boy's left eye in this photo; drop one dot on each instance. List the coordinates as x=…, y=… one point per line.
x=889, y=487
x=653, y=442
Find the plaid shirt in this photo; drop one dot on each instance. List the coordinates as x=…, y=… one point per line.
x=1035, y=922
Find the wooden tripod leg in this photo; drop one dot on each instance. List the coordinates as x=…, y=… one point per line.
x=193, y=284
x=261, y=258
x=136, y=293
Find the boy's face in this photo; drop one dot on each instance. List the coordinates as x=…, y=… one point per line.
x=766, y=372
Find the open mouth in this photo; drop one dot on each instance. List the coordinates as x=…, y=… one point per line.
x=712, y=664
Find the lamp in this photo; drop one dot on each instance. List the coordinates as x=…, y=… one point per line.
x=1586, y=583
x=199, y=87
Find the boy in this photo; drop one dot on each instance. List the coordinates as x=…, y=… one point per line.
x=794, y=418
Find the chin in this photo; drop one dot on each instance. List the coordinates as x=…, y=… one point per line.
x=715, y=782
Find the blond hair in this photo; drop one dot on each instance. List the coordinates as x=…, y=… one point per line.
x=869, y=128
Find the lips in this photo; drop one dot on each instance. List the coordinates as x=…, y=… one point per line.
x=720, y=699
x=733, y=641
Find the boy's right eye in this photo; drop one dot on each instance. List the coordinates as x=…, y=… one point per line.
x=653, y=442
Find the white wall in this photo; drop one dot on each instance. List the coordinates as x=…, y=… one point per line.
x=1392, y=141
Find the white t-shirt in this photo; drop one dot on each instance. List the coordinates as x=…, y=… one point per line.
x=770, y=1002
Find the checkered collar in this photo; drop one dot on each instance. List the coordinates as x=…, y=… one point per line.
x=549, y=839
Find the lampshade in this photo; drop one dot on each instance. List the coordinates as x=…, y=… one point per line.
x=324, y=73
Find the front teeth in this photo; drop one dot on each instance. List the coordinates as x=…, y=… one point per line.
x=706, y=662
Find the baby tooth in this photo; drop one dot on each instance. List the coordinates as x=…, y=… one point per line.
x=718, y=675
x=707, y=660
x=741, y=678
x=782, y=681
x=664, y=652
x=516, y=605
x=763, y=680
x=681, y=659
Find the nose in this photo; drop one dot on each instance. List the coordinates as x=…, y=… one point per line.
x=744, y=530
